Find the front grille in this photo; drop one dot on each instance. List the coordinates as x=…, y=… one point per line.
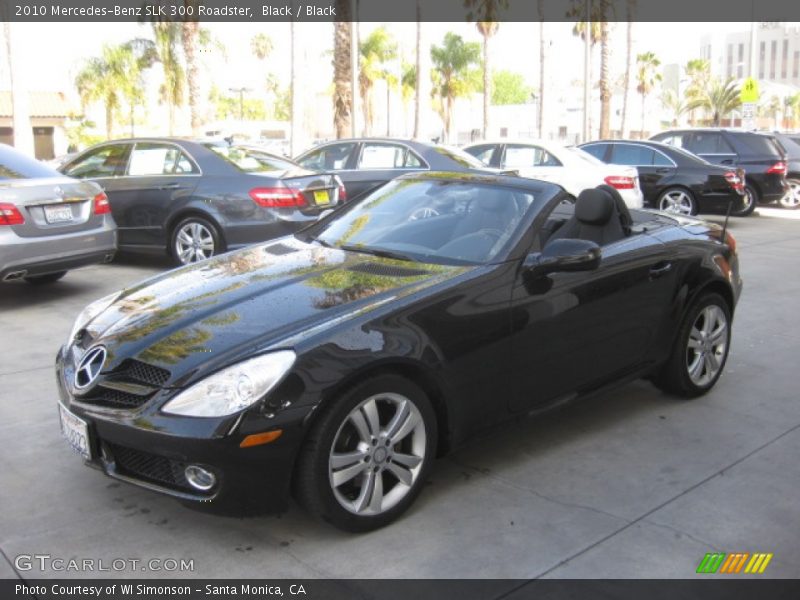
x=101, y=396
x=137, y=371
x=149, y=467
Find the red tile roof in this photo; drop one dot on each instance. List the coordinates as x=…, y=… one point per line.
x=42, y=104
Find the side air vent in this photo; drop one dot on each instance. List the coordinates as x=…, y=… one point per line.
x=280, y=249
x=381, y=270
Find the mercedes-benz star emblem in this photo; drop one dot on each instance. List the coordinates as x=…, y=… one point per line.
x=89, y=368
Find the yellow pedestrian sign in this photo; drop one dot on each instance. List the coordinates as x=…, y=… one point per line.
x=749, y=92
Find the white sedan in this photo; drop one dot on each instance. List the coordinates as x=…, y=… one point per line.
x=570, y=167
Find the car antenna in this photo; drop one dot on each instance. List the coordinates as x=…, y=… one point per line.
x=725, y=225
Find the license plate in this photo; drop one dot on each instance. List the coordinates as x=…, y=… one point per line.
x=58, y=214
x=76, y=432
x=321, y=197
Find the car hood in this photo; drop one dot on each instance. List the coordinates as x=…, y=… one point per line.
x=271, y=295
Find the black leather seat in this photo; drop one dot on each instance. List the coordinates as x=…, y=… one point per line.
x=597, y=218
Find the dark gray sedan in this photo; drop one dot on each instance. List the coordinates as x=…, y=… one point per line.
x=196, y=199
x=366, y=163
x=49, y=223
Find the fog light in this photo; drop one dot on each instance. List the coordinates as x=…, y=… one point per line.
x=200, y=478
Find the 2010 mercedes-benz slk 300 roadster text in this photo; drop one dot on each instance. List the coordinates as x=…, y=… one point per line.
x=339, y=362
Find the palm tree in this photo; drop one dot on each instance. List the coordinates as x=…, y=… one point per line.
x=792, y=110
x=261, y=46
x=580, y=29
x=114, y=77
x=647, y=77
x=698, y=71
x=719, y=98
x=542, y=58
x=418, y=69
x=20, y=117
x=190, y=33
x=376, y=51
x=604, y=84
x=408, y=86
x=676, y=105
x=342, y=70
x=626, y=83
x=484, y=13
x=167, y=34
x=771, y=109
x=455, y=63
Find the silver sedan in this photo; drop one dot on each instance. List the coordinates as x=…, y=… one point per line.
x=49, y=223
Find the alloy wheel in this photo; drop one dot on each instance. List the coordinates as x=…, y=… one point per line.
x=707, y=345
x=676, y=201
x=792, y=198
x=377, y=454
x=193, y=242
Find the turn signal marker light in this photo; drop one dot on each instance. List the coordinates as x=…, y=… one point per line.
x=259, y=439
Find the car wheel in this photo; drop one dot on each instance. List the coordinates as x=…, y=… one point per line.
x=749, y=202
x=792, y=198
x=366, y=458
x=194, y=239
x=701, y=349
x=679, y=201
x=45, y=279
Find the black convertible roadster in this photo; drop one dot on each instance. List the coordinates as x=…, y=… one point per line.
x=337, y=363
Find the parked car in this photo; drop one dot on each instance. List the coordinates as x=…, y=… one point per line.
x=673, y=179
x=340, y=361
x=49, y=224
x=569, y=167
x=367, y=163
x=761, y=159
x=196, y=199
x=790, y=144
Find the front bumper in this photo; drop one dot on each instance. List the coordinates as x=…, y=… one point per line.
x=151, y=450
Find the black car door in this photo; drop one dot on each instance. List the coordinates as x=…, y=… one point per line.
x=158, y=175
x=573, y=332
x=655, y=169
x=104, y=165
x=712, y=146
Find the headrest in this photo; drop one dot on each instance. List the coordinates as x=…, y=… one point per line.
x=594, y=207
x=625, y=218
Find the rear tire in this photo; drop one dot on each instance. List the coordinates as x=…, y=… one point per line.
x=679, y=201
x=194, y=239
x=367, y=456
x=45, y=279
x=792, y=198
x=700, y=351
x=749, y=202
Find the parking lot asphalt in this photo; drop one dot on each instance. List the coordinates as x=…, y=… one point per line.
x=634, y=483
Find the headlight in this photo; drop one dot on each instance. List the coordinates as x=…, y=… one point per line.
x=91, y=311
x=232, y=389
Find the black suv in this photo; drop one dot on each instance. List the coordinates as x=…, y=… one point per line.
x=761, y=158
x=790, y=144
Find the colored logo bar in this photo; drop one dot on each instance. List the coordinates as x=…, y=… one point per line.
x=720, y=562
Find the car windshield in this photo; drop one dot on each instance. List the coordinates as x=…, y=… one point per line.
x=465, y=159
x=583, y=155
x=432, y=220
x=251, y=160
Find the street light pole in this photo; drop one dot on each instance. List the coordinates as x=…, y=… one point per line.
x=241, y=91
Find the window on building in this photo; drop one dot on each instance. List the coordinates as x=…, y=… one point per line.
x=796, y=66
x=785, y=59
x=730, y=60
x=762, y=56
x=773, y=58
x=740, y=62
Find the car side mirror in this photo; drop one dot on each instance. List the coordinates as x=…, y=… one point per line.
x=563, y=255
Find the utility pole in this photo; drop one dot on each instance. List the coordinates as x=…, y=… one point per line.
x=241, y=91
x=587, y=57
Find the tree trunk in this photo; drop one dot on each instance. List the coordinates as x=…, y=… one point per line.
x=366, y=104
x=627, y=79
x=109, y=120
x=20, y=116
x=293, y=146
x=190, y=33
x=342, y=70
x=448, y=108
x=605, y=88
x=641, y=131
x=487, y=85
x=418, y=82
x=542, y=48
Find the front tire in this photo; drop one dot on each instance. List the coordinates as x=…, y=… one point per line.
x=749, y=202
x=679, y=201
x=194, y=239
x=792, y=198
x=701, y=349
x=366, y=458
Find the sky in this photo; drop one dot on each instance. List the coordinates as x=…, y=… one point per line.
x=515, y=47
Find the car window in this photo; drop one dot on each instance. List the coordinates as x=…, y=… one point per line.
x=149, y=158
x=671, y=139
x=387, y=156
x=596, y=150
x=662, y=160
x=438, y=221
x=327, y=158
x=632, y=155
x=105, y=161
x=15, y=165
x=251, y=160
x=518, y=155
x=761, y=145
x=459, y=156
x=482, y=153
x=708, y=142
